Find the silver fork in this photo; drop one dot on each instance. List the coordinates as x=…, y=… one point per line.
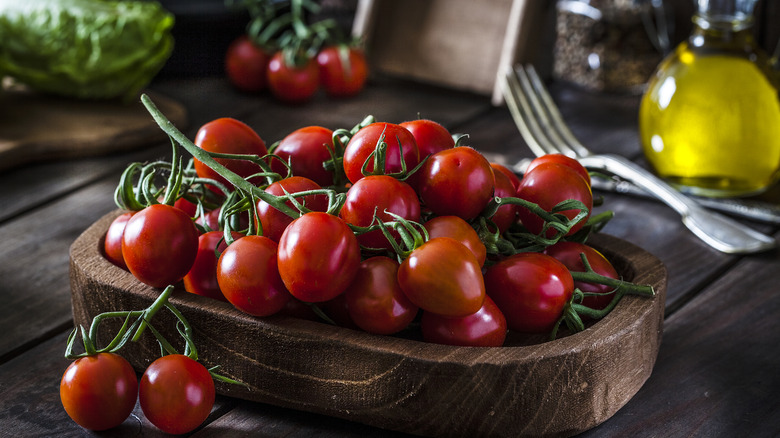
x=545, y=131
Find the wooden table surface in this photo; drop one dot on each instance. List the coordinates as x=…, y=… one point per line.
x=718, y=369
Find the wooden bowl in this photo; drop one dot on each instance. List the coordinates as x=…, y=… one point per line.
x=556, y=388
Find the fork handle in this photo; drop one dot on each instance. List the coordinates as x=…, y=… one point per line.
x=720, y=232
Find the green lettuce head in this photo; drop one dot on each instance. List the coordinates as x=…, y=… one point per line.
x=91, y=49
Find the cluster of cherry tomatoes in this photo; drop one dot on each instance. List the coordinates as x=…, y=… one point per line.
x=378, y=228
x=340, y=70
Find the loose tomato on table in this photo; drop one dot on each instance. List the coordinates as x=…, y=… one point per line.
x=159, y=245
x=229, y=136
x=375, y=301
x=99, y=391
x=112, y=244
x=307, y=149
x=273, y=221
x=457, y=181
x=246, y=65
x=176, y=393
x=443, y=276
x=343, y=70
x=531, y=289
x=569, y=253
x=292, y=83
x=318, y=257
x=431, y=137
x=484, y=328
x=547, y=185
x=364, y=143
x=378, y=195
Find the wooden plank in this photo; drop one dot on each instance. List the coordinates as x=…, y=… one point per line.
x=717, y=367
x=30, y=403
x=34, y=271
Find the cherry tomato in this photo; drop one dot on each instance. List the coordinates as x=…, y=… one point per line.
x=568, y=253
x=202, y=278
x=460, y=230
x=484, y=328
x=375, y=301
x=159, y=245
x=248, y=276
x=547, y=185
x=531, y=289
x=456, y=181
x=509, y=174
x=364, y=142
x=431, y=137
x=379, y=194
x=246, y=65
x=229, y=136
x=318, y=257
x=274, y=221
x=99, y=392
x=185, y=206
x=343, y=70
x=443, y=276
x=506, y=215
x=563, y=160
x=306, y=149
x=176, y=393
x=290, y=83
x=112, y=244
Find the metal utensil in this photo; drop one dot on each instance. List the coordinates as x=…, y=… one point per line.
x=545, y=131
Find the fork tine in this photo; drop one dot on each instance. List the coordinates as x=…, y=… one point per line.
x=556, y=119
x=521, y=111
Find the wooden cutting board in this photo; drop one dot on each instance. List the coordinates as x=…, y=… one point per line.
x=38, y=127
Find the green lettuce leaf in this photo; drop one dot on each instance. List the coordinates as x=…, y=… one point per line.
x=92, y=49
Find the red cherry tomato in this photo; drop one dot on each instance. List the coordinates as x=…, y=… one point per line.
x=364, y=142
x=379, y=194
x=484, y=328
x=202, y=278
x=443, y=276
x=531, y=289
x=185, y=206
x=248, y=276
x=159, y=245
x=509, y=174
x=246, y=65
x=112, y=245
x=273, y=221
x=99, y=392
x=457, y=182
x=547, y=185
x=431, y=137
x=460, y=230
x=229, y=136
x=306, y=149
x=375, y=301
x=318, y=257
x=176, y=394
x=343, y=70
x=568, y=253
x=563, y=160
x=506, y=215
x=292, y=84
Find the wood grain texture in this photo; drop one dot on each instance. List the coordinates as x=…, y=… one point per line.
x=40, y=127
x=549, y=389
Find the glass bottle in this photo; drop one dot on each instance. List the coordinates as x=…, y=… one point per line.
x=709, y=120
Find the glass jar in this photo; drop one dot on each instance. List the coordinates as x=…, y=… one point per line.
x=709, y=121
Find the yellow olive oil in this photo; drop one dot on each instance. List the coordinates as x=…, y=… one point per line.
x=710, y=118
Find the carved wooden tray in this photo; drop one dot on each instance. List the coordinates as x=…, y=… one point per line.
x=556, y=388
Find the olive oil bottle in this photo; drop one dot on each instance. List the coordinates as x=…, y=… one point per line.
x=709, y=120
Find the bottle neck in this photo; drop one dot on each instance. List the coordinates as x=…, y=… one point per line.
x=725, y=15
